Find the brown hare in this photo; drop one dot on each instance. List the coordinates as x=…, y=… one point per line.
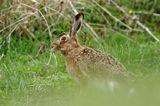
x=84, y=63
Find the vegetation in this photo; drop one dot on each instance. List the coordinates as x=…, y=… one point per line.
x=29, y=78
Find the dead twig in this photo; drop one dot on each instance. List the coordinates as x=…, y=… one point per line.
x=147, y=13
x=118, y=7
x=147, y=30
x=32, y=35
x=59, y=11
x=110, y=14
x=22, y=19
x=49, y=31
x=135, y=18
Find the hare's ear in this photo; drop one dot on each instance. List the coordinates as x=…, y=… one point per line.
x=76, y=24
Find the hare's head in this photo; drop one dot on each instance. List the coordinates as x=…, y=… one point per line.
x=68, y=41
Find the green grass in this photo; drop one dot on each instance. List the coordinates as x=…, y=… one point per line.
x=25, y=78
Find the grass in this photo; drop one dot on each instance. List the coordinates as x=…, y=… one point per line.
x=26, y=75
x=27, y=80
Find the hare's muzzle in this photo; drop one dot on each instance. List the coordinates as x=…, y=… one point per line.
x=54, y=47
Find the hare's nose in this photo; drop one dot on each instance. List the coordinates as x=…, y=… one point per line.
x=54, y=46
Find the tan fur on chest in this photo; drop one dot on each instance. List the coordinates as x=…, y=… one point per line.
x=85, y=63
x=71, y=59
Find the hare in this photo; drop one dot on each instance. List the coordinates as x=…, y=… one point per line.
x=85, y=63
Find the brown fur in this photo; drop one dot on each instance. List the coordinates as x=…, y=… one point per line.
x=85, y=63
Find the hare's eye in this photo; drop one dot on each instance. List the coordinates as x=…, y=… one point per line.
x=63, y=39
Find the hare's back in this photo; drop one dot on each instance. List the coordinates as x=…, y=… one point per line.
x=94, y=62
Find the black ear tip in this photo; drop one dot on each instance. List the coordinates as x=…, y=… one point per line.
x=79, y=15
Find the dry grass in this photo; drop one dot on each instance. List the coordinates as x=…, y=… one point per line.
x=27, y=68
x=26, y=15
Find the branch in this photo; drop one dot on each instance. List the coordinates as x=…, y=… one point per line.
x=49, y=31
x=22, y=19
x=147, y=30
x=135, y=18
x=110, y=14
x=147, y=13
